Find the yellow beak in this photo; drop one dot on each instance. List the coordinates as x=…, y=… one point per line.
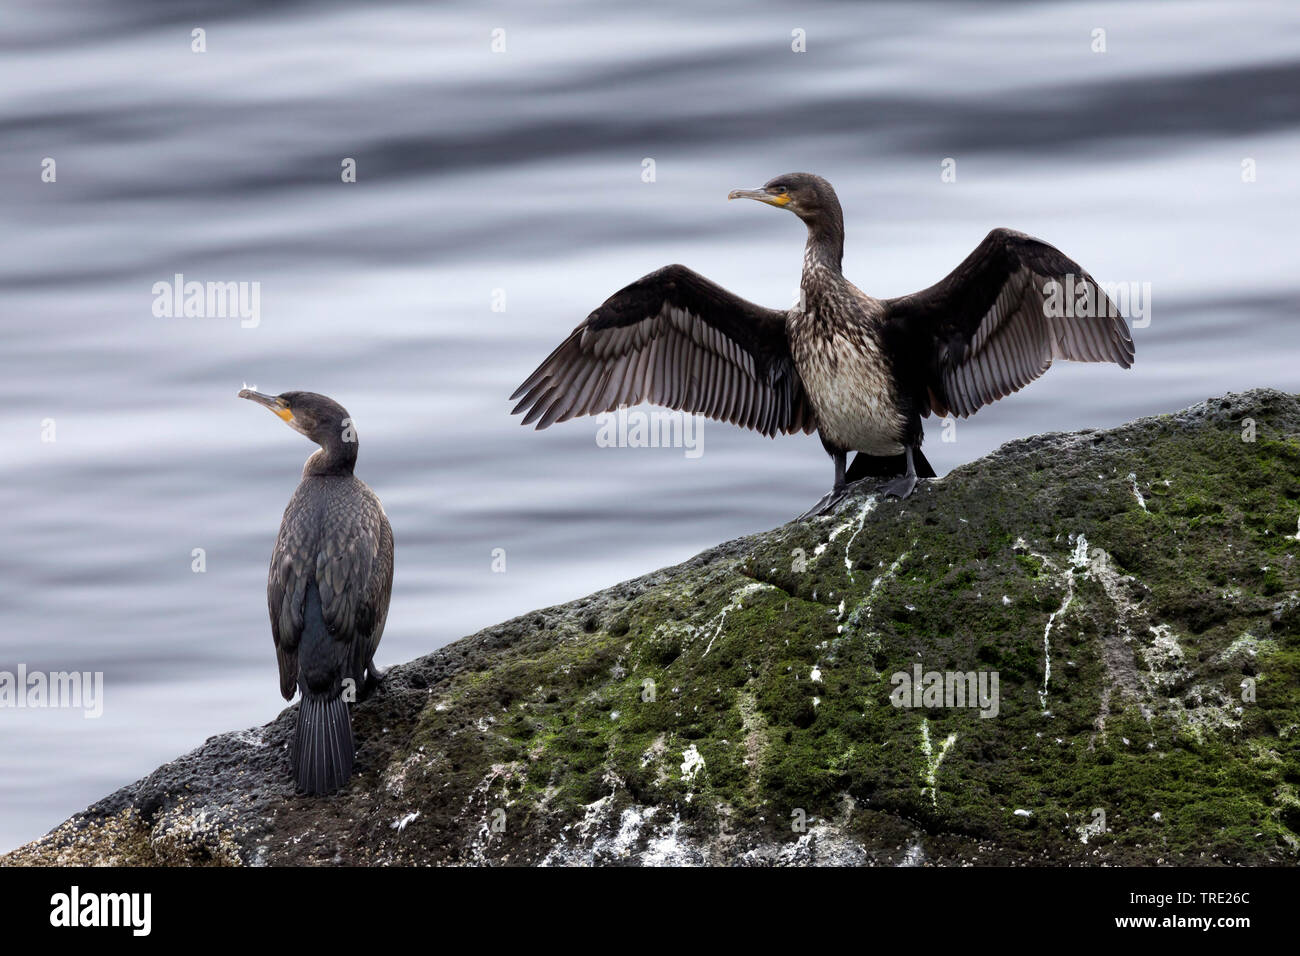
x=762, y=195
x=268, y=401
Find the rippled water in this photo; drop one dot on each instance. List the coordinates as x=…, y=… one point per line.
x=521, y=172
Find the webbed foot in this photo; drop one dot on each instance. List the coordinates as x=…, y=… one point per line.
x=899, y=487
x=827, y=503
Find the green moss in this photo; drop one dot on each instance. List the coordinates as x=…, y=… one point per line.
x=732, y=649
x=752, y=685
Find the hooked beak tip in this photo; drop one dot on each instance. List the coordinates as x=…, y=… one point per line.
x=759, y=194
x=267, y=401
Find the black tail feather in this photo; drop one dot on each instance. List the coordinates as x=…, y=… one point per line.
x=887, y=466
x=323, y=747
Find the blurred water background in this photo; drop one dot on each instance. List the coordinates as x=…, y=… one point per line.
x=484, y=173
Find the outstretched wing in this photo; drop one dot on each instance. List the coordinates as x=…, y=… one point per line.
x=675, y=339
x=997, y=321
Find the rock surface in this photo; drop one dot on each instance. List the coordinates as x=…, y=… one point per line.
x=1136, y=592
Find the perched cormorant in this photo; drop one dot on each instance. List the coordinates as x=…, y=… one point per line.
x=328, y=588
x=860, y=371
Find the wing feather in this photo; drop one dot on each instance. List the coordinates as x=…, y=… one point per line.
x=995, y=324
x=675, y=339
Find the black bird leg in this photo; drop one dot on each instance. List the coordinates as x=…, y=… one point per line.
x=374, y=681
x=902, y=486
x=837, y=492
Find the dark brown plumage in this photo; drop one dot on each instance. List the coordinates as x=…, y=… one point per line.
x=860, y=371
x=676, y=339
x=984, y=331
x=328, y=589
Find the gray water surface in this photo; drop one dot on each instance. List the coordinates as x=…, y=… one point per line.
x=521, y=171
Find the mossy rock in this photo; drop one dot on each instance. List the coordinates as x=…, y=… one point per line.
x=1136, y=592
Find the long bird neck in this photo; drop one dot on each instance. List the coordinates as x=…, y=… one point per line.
x=824, y=251
x=335, y=457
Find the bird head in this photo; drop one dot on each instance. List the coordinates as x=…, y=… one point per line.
x=809, y=197
x=321, y=419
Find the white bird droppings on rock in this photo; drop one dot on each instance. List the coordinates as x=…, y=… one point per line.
x=692, y=763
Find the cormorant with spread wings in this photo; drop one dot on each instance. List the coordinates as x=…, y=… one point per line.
x=860, y=371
